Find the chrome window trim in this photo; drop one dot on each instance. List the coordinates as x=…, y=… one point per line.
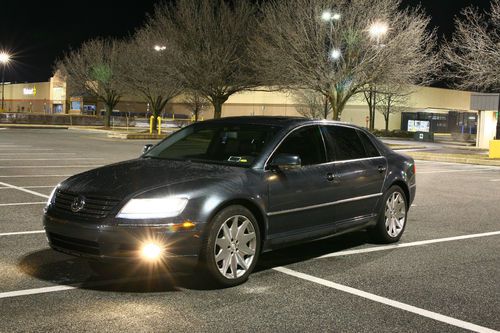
x=266, y=166
x=324, y=204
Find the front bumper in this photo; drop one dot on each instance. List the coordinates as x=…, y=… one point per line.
x=119, y=243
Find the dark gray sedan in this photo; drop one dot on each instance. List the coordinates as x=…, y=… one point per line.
x=217, y=194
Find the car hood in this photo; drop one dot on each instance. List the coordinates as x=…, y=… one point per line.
x=122, y=179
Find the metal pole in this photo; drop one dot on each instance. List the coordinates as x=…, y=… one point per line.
x=3, y=84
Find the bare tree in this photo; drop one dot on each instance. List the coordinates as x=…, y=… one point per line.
x=197, y=104
x=473, y=54
x=148, y=72
x=391, y=99
x=362, y=42
x=210, y=45
x=95, y=69
x=312, y=104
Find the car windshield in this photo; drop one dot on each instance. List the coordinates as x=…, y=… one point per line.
x=232, y=144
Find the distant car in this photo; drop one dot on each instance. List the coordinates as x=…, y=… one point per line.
x=216, y=194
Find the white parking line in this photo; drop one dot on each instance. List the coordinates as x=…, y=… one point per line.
x=24, y=190
x=411, y=244
x=48, y=166
x=51, y=159
x=22, y=233
x=34, y=291
x=34, y=176
x=31, y=154
x=37, y=186
x=23, y=203
x=24, y=149
x=494, y=180
x=386, y=301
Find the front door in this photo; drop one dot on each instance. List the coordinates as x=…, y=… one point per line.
x=297, y=197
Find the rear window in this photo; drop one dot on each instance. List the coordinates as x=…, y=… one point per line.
x=344, y=143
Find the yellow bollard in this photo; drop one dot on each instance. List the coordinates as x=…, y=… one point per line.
x=173, y=116
x=159, y=125
x=151, y=119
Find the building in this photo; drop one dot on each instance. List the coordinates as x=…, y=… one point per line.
x=38, y=97
x=435, y=110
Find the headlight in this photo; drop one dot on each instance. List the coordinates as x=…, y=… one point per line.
x=153, y=208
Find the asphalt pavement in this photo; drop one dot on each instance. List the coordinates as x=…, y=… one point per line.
x=444, y=275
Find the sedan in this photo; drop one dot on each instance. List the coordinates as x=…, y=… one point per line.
x=217, y=194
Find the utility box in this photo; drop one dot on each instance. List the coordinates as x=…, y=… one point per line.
x=424, y=136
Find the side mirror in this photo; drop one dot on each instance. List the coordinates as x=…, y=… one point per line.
x=286, y=161
x=147, y=148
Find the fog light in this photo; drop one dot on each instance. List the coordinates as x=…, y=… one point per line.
x=151, y=251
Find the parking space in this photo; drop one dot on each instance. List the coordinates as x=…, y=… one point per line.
x=442, y=277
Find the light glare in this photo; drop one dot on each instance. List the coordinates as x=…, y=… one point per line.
x=335, y=54
x=151, y=251
x=378, y=29
x=4, y=57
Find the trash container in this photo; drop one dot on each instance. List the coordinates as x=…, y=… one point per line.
x=424, y=136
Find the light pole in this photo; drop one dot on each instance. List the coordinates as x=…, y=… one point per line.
x=377, y=31
x=4, y=59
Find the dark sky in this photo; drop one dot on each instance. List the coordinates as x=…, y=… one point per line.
x=39, y=32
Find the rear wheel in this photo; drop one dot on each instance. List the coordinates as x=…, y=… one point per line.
x=231, y=248
x=392, y=217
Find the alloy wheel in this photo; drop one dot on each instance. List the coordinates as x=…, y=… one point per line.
x=235, y=246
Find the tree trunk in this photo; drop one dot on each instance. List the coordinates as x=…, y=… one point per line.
x=386, y=124
x=326, y=108
x=107, y=116
x=217, y=102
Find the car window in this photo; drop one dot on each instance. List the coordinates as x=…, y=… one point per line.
x=371, y=150
x=305, y=142
x=217, y=143
x=343, y=143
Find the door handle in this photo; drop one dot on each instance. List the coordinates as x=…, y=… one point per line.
x=381, y=169
x=330, y=177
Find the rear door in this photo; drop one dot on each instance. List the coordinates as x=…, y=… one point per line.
x=359, y=171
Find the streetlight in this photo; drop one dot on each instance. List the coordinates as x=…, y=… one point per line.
x=335, y=54
x=160, y=48
x=378, y=30
x=4, y=59
x=328, y=16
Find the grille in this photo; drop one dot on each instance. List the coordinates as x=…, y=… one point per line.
x=94, y=208
x=74, y=244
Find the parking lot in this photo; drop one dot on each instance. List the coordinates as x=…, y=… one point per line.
x=444, y=275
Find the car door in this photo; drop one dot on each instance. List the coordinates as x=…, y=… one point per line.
x=297, y=197
x=359, y=172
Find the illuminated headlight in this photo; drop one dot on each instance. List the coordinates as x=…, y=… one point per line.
x=153, y=208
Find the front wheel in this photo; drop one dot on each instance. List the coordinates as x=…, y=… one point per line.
x=231, y=247
x=392, y=217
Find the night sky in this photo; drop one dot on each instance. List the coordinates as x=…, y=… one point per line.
x=39, y=32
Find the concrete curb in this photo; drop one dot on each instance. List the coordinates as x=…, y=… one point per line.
x=136, y=136
x=465, y=159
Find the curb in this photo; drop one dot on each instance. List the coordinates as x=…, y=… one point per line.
x=28, y=126
x=136, y=136
x=466, y=159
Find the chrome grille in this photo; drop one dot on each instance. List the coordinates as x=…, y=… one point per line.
x=94, y=208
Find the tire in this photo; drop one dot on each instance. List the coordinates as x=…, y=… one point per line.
x=392, y=218
x=231, y=246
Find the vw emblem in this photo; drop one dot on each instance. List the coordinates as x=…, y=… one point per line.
x=78, y=203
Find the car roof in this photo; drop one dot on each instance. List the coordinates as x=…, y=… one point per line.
x=283, y=121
